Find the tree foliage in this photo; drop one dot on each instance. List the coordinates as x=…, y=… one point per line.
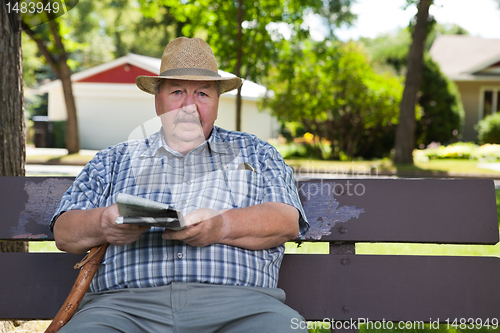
x=330, y=88
x=245, y=35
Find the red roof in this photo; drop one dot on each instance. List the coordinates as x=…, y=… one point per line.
x=125, y=73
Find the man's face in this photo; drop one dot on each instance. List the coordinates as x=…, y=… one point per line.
x=188, y=109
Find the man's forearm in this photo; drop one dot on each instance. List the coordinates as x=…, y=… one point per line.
x=77, y=231
x=256, y=227
x=261, y=226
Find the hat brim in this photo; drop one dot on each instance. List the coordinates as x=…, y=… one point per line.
x=147, y=83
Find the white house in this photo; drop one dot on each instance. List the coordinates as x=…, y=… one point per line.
x=110, y=106
x=473, y=63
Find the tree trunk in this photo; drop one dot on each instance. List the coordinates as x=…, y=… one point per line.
x=64, y=74
x=405, y=132
x=12, y=127
x=72, y=136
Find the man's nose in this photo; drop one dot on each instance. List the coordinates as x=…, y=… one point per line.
x=189, y=104
x=189, y=108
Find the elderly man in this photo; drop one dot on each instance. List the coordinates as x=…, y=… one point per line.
x=239, y=201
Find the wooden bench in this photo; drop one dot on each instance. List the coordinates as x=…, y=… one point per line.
x=340, y=286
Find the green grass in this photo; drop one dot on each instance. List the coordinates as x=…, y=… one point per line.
x=402, y=249
x=43, y=247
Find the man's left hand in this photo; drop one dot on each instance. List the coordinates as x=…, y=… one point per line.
x=205, y=227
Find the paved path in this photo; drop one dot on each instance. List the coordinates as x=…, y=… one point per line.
x=43, y=170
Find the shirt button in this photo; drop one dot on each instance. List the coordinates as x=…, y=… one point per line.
x=189, y=163
x=184, y=202
x=188, y=182
x=179, y=255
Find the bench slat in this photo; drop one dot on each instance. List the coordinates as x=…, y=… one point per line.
x=35, y=285
x=461, y=211
x=341, y=287
x=389, y=210
x=27, y=205
x=377, y=287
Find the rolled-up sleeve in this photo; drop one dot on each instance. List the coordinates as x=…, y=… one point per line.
x=86, y=192
x=280, y=185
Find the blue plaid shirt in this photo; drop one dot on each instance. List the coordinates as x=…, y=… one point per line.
x=210, y=176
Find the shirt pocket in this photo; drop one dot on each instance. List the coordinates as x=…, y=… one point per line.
x=246, y=187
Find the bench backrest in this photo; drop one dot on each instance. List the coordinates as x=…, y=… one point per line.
x=340, y=285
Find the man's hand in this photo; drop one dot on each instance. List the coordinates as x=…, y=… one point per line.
x=118, y=234
x=204, y=227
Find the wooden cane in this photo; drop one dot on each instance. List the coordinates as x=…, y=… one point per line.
x=88, y=266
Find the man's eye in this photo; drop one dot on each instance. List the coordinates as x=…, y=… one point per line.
x=177, y=92
x=203, y=94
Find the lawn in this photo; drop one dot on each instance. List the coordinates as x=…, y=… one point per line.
x=432, y=168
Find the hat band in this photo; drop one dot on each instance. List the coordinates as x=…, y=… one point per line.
x=189, y=71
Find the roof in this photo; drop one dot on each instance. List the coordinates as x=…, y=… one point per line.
x=464, y=58
x=250, y=90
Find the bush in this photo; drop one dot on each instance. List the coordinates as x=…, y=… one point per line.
x=489, y=129
x=442, y=111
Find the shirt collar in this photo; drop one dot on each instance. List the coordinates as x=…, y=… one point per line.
x=218, y=144
x=153, y=143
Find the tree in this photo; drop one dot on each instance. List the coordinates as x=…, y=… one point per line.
x=440, y=114
x=441, y=111
x=405, y=132
x=12, y=127
x=333, y=92
x=49, y=39
x=245, y=35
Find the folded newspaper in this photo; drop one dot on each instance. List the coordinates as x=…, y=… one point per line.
x=141, y=211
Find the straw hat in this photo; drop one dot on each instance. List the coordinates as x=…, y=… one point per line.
x=188, y=59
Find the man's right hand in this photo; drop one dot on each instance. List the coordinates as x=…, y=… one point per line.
x=119, y=234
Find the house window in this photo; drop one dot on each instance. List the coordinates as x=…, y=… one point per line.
x=489, y=101
x=498, y=102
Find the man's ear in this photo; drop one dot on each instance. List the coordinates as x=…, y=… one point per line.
x=157, y=105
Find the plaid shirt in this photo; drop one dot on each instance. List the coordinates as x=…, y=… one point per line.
x=209, y=176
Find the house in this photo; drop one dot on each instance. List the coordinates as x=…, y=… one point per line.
x=111, y=109
x=473, y=63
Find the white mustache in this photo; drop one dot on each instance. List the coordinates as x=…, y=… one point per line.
x=188, y=119
x=188, y=114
